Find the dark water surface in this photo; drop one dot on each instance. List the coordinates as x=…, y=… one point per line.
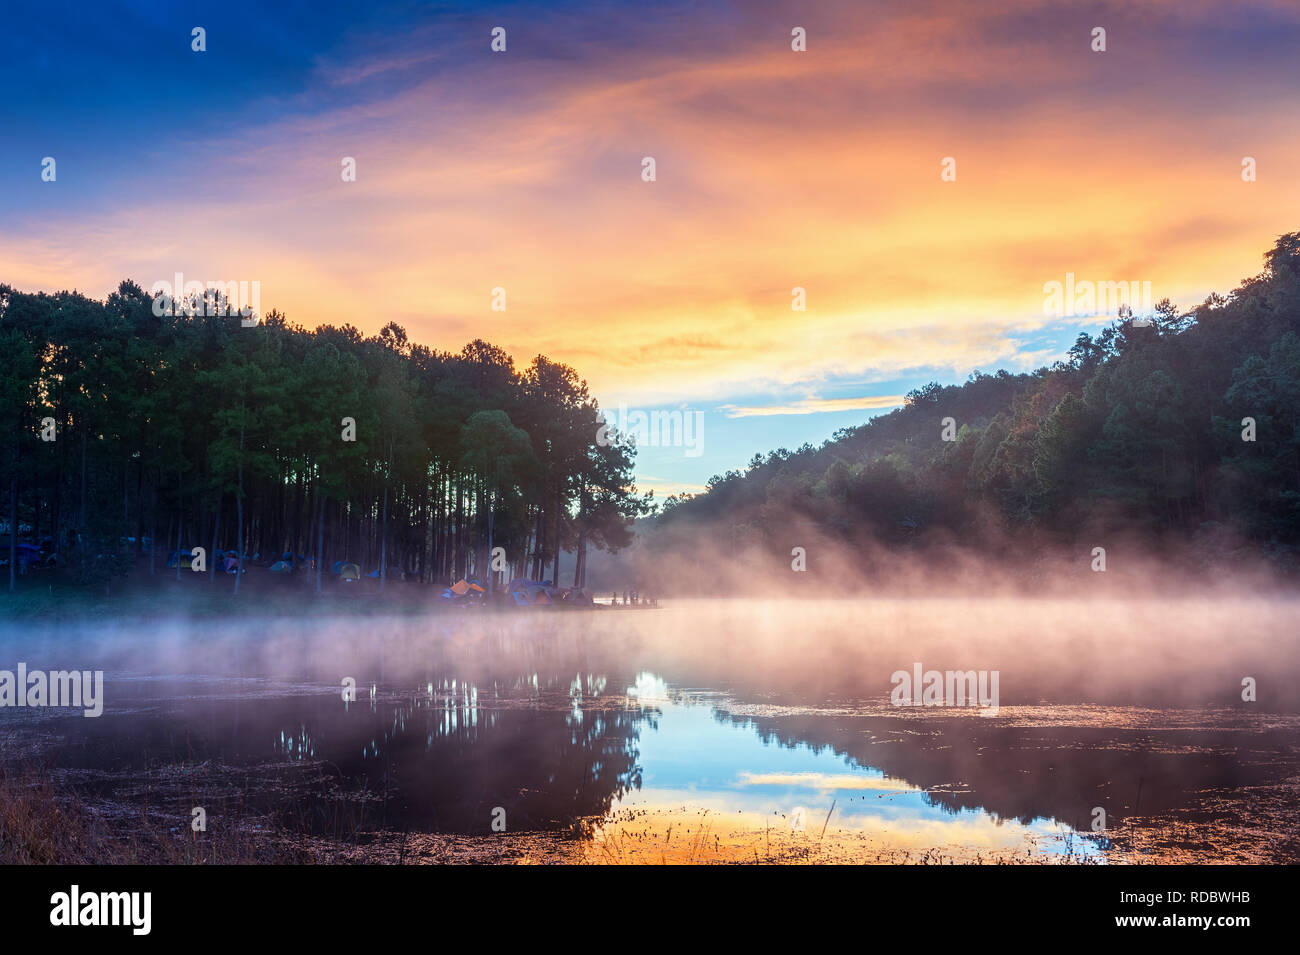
x=764, y=714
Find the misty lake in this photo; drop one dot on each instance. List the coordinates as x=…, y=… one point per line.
x=727, y=730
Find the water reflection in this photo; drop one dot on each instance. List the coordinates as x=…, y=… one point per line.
x=618, y=725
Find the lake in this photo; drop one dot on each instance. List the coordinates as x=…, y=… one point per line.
x=702, y=731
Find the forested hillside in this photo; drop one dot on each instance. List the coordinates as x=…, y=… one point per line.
x=1180, y=430
x=1139, y=433
x=121, y=425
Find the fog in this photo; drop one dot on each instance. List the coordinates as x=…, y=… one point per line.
x=640, y=720
x=806, y=558
x=1164, y=650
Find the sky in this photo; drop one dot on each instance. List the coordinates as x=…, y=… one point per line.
x=774, y=169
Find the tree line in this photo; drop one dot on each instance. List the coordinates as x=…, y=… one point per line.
x=1177, y=426
x=190, y=429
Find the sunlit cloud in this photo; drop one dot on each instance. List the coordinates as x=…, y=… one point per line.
x=815, y=406
x=775, y=170
x=662, y=486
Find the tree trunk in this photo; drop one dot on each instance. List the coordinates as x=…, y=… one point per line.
x=580, y=563
x=320, y=539
x=81, y=516
x=297, y=520
x=139, y=507
x=492, y=574
x=239, y=515
x=216, y=529
x=383, y=534
x=180, y=529
x=13, y=528
x=555, y=581
x=239, y=534
x=153, y=528
x=383, y=543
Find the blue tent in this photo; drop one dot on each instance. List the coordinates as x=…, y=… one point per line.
x=522, y=583
x=27, y=554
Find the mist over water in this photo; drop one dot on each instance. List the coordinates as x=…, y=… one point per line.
x=1184, y=651
x=746, y=708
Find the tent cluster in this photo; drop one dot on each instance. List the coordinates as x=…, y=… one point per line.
x=286, y=562
x=469, y=592
x=531, y=593
x=534, y=593
x=225, y=561
x=228, y=562
x=464, y=593
x=346, y=570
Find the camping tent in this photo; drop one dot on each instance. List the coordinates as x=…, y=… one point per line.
x=281, y=567
x=534, y=593
x=349, y=571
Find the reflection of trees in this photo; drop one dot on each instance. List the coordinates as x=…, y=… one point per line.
x=1025, y=773
x=542, y=764
x=547, y=749
x=466, y=715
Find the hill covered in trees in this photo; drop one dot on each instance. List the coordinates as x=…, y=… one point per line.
x=193, y=430
x=1139, y=436
x=1177, y=433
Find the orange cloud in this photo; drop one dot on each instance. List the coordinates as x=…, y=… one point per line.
x=776, y=170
